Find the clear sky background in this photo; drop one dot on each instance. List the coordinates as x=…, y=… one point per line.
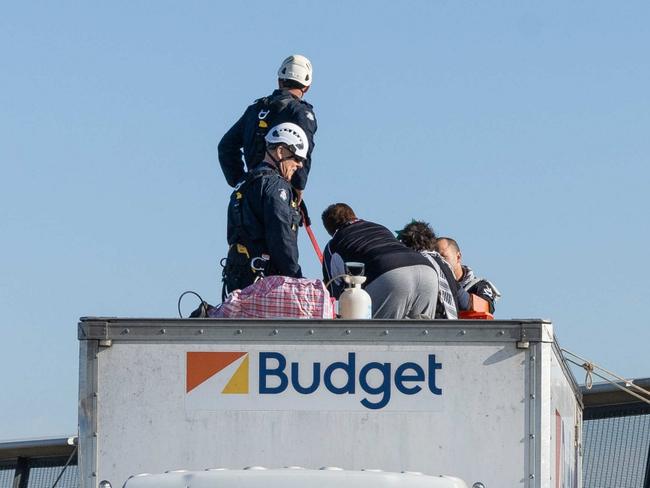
x=519, y=128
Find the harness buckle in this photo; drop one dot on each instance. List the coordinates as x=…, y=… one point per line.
x=261, y=267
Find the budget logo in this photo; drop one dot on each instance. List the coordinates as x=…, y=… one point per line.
x=225, y=371
x=309, y=378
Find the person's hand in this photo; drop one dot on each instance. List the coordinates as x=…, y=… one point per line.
x=305, y=220
x=298, y=194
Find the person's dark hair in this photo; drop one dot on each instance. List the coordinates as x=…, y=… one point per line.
x=337, y=215
x=290, y=84
x=451, y=242
x=418, y=235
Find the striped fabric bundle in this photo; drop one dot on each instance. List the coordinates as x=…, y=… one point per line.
x=278, y=297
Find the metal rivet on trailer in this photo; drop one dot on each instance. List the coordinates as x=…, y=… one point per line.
x=532, y=436
x=201, y=331
x=532, y=358
x=276, y=331
x=532, y=395
x=532, y=476
x=239, y=332
x=425, y=332
x=502, y=332
x=163, y=331
x=348, y=332
x=462, y=332
x=386, y=332
x=312, y=331
x=93, y=474
x=478, y=484
x=125, y=331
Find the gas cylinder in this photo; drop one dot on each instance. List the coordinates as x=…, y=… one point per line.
x=354, y=302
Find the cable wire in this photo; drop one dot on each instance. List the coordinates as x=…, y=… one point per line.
x=181, y=298
x=74, y=451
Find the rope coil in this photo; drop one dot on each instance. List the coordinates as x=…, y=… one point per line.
x=589, y=380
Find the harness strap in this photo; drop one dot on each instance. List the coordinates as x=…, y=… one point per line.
x=264, y=108
x=238, y=196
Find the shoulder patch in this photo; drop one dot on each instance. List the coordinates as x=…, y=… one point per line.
x=310, y=116
x=283, y=194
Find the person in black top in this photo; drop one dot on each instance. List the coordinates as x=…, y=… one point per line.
x=263, y=214
x=401, y=282
x=285, y=104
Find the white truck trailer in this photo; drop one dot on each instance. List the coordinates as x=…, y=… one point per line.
x=489, y=402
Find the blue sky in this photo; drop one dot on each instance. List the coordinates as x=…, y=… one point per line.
x=519, y=128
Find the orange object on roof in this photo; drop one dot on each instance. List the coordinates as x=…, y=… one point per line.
x=479, y=309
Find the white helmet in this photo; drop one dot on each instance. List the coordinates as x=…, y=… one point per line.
x=290, y=134
x=297, y=68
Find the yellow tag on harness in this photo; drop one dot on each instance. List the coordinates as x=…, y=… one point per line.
x=263, y=124
x=241, y=249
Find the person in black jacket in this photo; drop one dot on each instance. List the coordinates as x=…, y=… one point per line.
x=263, y=214
x=400, y=281
x=286, y=104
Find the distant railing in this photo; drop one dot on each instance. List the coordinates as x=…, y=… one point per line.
x=615, y=438
x=42, y=463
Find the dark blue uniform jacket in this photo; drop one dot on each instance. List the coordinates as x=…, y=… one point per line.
x=284, y=107
x=269, y=220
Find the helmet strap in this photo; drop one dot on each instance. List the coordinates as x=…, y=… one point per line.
x=278, y=161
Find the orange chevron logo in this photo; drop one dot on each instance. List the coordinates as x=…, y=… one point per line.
x=202, y=366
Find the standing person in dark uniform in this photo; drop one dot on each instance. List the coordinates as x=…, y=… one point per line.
x=400, y=281
x=263, y=214
x=285, y=104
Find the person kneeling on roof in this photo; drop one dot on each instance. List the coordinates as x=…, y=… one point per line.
x=400, y=281
x=263, y=215
x=420, y=236
x=450, y=251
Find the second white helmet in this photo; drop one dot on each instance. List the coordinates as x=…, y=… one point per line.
x=297, y=68
x=290, y=134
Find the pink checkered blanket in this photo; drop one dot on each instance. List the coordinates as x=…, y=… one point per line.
x=278, y=297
